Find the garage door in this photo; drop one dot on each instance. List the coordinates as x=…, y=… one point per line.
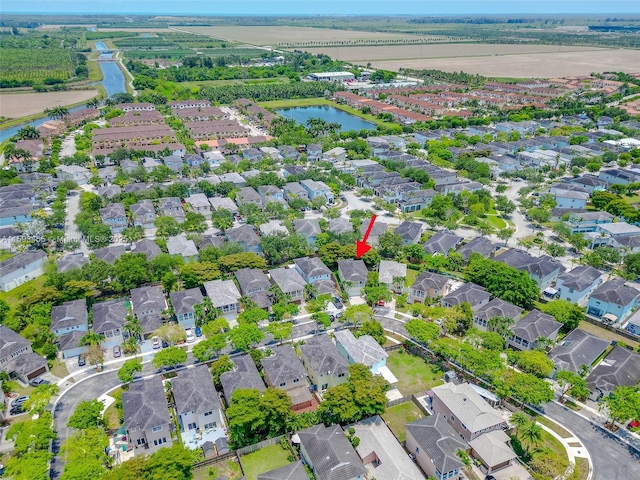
x=38, y=372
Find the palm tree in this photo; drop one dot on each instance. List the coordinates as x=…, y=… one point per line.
x=519, y=419
x=132, y=326
x=28, y=132
x=531, y=435
x=310, y=291
x=57, y=112
x=92, y=339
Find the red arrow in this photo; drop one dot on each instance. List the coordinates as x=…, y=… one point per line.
x=361, y=246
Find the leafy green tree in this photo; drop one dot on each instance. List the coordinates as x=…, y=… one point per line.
x=525, y=387
x=128, y=370
x=422, y=331
x=175, y=462
x=389, y=244
x=234, y=262
x=632, y=264
x=32, y=435
x=167, y=226
x=88, y=414
x=170, y=357
x=194, y=274
x=573, y=384
x=535, y=362
x=530, y=435
x=32, y=465
x=555, y=250
x=519, y=420
x=538, y=215
x=131, y=270
x=98, y=236
x=171, y=333
x=209, y=348
x=218, y=367
x=565, y=312
x=623, y=403
x=253, y=315
x=322, y=319
x=222, y=219
x=245, y=336
x=357, y=314
x=373, y=328
x=280, y=330
x=40, y=398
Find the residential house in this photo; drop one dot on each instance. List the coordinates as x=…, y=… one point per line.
x=224, y=203
x=620, y=368
x=364, y=350
x=224, y=295
x=309, y=228
x=289, y=152
x=493, y=451
x=150, y=164
x=312, y=269
x=381, y=453
x=114, y=216
x=71, y=261
x=475, y=295
x=20, y=268
x=441, y=243
x=193, y=160
x=252, y=154
x=171, y=207
x=244, y=375
x=273, y=227
x=314, y=152
x=197, y=404
x=465, y=410
x=184, y=302
x=148, y=305
x=353, y=276
x=428, y=285
x=377, y=230
x=576, y=285
x=143, y=214
x=17, y=358
x=129, y=166
x=109, y=254
x=173, y=163
x=146, y=416
x=284, y=370
x=340, y=225
x=531, y=328
x=435, y=445
x=109, y=191
x=329, y=454
x=254, y=284
x=245, y=236
x=181, y=245
x=199, y=203
x=495, y=308
x=577, y=350
x=289, y=281
x=148, y=247
x=571, y=199
x=392, y=274
x=247, y=195
x=335, y=155
x=325, y=366
x=317, y=189
x=544, y=270
x=233, y=177
x=293, y=190
x=75, y=173
x=292, y=471
x=410, y=232
x=480, y=245
x=69, y=317
x=612, y=300
x=270, y=193
x=109, y=319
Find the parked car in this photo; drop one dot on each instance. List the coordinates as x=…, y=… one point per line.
x=117, y=351
x=381, y=303
x=81, y=361
x=633, y=424
x=34, y=382
x=190, y=336
x=165, y=344
x=17, y=410
x=338, y=303
x=198, y=332
x=20, y=400
x=156, y=343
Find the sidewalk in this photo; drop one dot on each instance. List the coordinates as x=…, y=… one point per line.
x=572, y=445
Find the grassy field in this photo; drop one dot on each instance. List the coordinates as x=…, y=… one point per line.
x=411, y=277
x=414, y=374
x=229, y=469
x=606, y=334
x=59, y=368
x=495, y=221
x=14, y=297
x=399, y=415
x=264, y=460
x=18, y=105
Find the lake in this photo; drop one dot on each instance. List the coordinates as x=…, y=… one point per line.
x=328, y=114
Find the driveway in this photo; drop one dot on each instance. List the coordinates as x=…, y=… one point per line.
x=71, y=231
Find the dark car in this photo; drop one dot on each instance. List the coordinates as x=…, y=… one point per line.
x=17, y=410
x=34, y=382
x=165, y=344
x=19, y=401
x=338, y=303
x=81, y=361
x=198, y=332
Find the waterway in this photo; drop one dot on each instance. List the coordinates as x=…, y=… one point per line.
x=328, y=114
x=113, y=82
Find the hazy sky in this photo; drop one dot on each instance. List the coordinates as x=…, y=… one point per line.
x=325, y=7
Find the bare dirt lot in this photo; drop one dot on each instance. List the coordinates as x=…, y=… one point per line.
x=540, y=65
x=17, y=105
x=280, y=34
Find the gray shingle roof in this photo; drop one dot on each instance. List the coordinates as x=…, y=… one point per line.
x=539, y=266
x=11, y=342
x=21, y=260
x=331, y=453
x=252, y=280
x=439, y=441
x=143, y=208
x=580, y=278
x=293, y=471
x=288, y=279
x=109, y=254
x=309, y=227
x=193, y=391
x=69, y=314
x=498, y=308
x=363, y=349
x=109, y=315
x=535, y=325
x=615, y=291
x=468, y=406
x=113, y=211
x=25, y=364
x=69, y=341
x=312, y=266
x=620, y=368
x=243, y=234
x=492, y=448
x=340, y=225
x=409, y=231
x=388, y=270
x=471, y=293
x=480, y=245
x=245, y=375
x=181, y=245
x=222, y=292
x=184, y=300
x=71, y=261
x=429, y=280
x=284, y=366
x=441, y=243
x=146, y=299
x=144, y=405
x=147, y=247
x=353, y=270
x=577, y=349
x=323, y=356
x=378, y=229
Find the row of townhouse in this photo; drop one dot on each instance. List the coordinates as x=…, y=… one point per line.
x=400, y=114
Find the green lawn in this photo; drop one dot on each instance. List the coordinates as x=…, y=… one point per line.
x=229, y=469
x=59, y=368
x=411, y=277
x=14, y=297
x=495, y=221
x=399, y=415
x=414, y=374
x=264, y=460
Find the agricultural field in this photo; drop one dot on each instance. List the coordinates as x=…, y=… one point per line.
x=34, y=66
x=18, y=105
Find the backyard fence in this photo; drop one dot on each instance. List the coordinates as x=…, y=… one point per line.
x=213, y=460
x=257, y=446
x=623, y=333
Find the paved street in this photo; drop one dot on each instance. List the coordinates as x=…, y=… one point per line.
x=611, y=459
x=71, y=231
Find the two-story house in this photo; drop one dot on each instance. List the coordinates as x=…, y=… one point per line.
x=114, y=216
x=294, y=190
x=289, y=281
x=245, y=236
x=17, y=358
x=183, y=303
x=244, y=375
x=378, y=229
x=576, y=350
x=613, y=300
x=146, y=416
x=329, y=454
x=254, y=284
x=314, y=152
x=312, y=269
x=69, y=323
x=224, y=295
x=576, y=285
x=147, y=247
x=309, y=228
x=325, y=366
x=475, y=295
x=270, y=193
x=197, y=405
x=317, y=189
x=392, y=275
x=284, y=370
x=435, y=444
x=171, y=207
x=410, y=232
x=364, y=350
x=248, y=195
x=495, y=308
x=143, y=214
x=353, y=275
x=543, y=269
x=109, y=319
x=180, y=245
x=21, y=268
x=199, y=203
x=428, y=285
x=173, y=163
x=148, y=305
x=531, y=328
x=441, y=243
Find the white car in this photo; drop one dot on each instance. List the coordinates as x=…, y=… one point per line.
x=156, y=343
x=190, y=336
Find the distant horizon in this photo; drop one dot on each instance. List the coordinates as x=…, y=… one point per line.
x=293, y=8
